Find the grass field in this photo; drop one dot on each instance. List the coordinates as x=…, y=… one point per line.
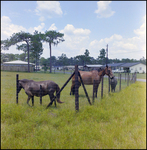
x=116, y=121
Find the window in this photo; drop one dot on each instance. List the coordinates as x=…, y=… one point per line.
x=140, y=68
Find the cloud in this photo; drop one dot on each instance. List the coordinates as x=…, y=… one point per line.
x=52, y=27
x=48, y=9
x=141, y=32
x=8, y=28
x=120, y=47
x=76, y=42
x=104, y=10
x=71, y=30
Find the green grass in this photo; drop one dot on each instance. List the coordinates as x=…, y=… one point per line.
x=116, y=121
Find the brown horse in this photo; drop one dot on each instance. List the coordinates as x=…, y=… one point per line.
x=32, y=88
x=89, y=77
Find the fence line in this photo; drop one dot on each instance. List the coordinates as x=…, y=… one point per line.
x=77, y=74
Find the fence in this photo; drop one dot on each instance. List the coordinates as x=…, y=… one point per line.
x=123, y=80
x=77, y=74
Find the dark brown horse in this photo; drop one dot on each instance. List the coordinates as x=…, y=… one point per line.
x=89, y=77
x=32, y=88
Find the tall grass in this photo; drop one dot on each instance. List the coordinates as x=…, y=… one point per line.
x=116, y=121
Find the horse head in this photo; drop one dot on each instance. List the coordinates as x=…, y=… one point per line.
x=108, y=71
x=19, y=86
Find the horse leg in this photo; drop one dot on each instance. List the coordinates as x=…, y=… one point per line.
x=72, y=91
x=51, y=95
x=32, y=100
x=96, y=90
x=28, y=101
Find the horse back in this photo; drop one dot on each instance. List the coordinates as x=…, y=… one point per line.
x=32, y=88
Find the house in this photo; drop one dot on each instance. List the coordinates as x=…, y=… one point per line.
x=132, y=67
x=135, y=67
x=17, y=65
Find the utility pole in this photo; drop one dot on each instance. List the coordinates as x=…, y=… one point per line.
x=106, y=54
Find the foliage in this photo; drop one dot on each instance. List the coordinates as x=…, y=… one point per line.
x=52, y=37
x=36, y=49
x=118, y=121
x=101, y=57
x=63, y=60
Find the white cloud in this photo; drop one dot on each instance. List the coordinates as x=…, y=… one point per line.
x=48, y=9
x=52, y=27
x=104, y=10
x=70, y=29
x=120, y=47
x=76, y=42
x=141, y=32
x=8, y=28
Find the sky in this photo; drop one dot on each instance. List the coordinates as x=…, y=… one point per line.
x=85, y=24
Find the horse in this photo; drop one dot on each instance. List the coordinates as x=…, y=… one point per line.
x=32, y=88
x=113, y=83
x=89, y=77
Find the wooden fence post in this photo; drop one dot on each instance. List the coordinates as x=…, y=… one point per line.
x=108, y=84
x=125, y=77
x=40, y=95
x=93, y=90
x=76, y=89
x=118, y=76
x=128, y=80
x=102, y=88
x=17, y=76
x=120, y=83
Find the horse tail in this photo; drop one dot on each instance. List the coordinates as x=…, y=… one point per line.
x=58, y=96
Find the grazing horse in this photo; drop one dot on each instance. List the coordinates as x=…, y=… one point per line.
x=32, y=88
x=89, y=77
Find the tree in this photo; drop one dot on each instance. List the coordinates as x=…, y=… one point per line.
x=16, y=38
x=101, y=58
x=4, y=57
x=143, y=60
x=22, y=56
x=22, y=47
x=11, y=57
x=36, y=49
x=44, y=62
x=87, y=57
x=81, y=59
x=63, y=59
x=52, y=37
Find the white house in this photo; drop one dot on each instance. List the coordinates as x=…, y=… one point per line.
x=17, y=65
x=135, y=67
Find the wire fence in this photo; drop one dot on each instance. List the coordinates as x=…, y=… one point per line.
x=123, y=80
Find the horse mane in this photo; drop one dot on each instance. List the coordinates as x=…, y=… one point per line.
x=100, y=69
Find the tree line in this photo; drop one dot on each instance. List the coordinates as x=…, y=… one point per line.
x=31, y=45
x=63, y=60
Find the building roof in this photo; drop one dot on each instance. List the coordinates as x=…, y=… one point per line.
x=123, y=64
x=16, y=62
x=130, y=64
x=115, y=64
x=92, y=66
